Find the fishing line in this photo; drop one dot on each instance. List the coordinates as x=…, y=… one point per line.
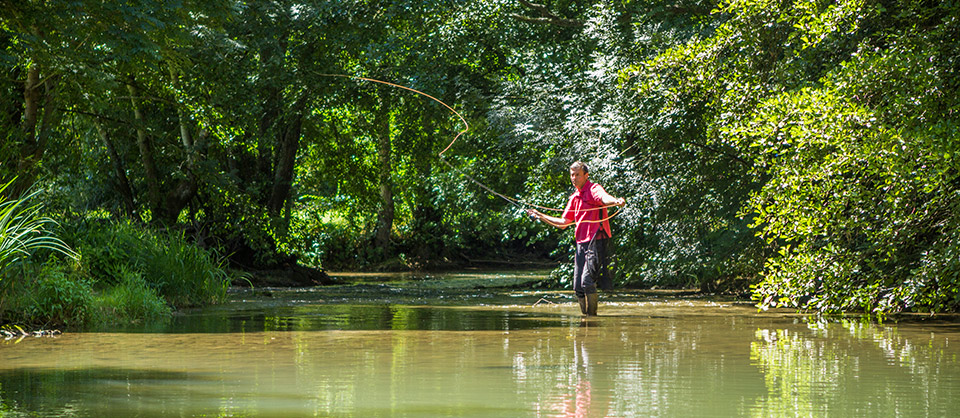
x=466, y=127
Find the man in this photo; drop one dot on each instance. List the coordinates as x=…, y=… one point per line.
x=592, y=232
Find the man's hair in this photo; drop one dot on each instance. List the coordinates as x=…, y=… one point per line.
x=579, y=165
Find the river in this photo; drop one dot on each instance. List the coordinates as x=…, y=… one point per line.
x=461, y=345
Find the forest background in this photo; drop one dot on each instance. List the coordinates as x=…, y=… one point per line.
x=802, y=151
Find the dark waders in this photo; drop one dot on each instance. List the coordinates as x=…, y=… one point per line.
x=590, y=271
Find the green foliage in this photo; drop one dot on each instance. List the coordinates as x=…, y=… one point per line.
x=54, y=294
x=337, y=246
x=131, y=301
x=51, y=294
x=23, y=229
x=176, y=269
x=846, y=113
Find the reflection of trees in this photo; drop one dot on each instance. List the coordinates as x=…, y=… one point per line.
x=648, y=366
x=664, y=367
x=376, y=317
x=798, y=373
x=853, y=369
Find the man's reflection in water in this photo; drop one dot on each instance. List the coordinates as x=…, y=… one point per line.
x=583, y=401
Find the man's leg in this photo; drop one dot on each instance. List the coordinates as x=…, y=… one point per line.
x=593, y=300
x=605, y=276
x=578, y=270
x=591, y=272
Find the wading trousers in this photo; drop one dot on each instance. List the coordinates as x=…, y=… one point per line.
x=590, y=267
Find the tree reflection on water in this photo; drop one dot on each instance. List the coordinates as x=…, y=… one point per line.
x=673, y=357
x=855, y=368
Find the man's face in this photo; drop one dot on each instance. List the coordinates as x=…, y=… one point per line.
x=577, y=177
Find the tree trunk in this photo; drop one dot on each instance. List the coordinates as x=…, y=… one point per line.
x=51, y=117
x=286, y=161
x=126, y=192
x=186, y=189
x=178, y=197
x=34, y=140
x=185, y=136
x=427, y=218
x=146, y=153
x=386, y=214
x=31, y=103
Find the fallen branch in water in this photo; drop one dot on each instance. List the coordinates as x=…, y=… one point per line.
x=10, y=332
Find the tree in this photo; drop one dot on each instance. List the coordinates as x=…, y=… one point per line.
x=843, y=110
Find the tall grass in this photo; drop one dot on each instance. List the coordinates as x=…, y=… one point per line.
x=168, y=262
x=23, y=229
x=52, y=295
x=185, y=274
x=127, y=274
x=131, y=301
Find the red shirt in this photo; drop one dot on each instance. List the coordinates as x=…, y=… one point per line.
x=578, y=210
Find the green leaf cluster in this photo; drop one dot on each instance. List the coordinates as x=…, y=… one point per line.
x=806, y=148
x=846, y=112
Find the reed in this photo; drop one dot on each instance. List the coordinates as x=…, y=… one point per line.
x=23, y=229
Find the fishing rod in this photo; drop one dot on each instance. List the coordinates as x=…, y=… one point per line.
x=466, y=127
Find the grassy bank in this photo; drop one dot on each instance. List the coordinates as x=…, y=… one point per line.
x=123, y=274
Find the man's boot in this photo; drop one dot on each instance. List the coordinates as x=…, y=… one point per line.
x=582, y=300
x=592, y=300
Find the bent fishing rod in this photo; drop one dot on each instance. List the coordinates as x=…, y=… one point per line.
x=466, y=127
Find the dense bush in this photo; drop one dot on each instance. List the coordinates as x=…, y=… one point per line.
x=125, y=274
x=51, y=294
x=176, y=269
x=846, y=114
x=55, y=294
x=130, y=301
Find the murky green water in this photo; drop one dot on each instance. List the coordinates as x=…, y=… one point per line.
x=430, y=348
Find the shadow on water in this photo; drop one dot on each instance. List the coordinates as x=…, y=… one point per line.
x=378, y=302
x=362, y=318
x=38, y=388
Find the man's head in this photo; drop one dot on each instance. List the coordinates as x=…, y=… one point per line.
x=578, y=174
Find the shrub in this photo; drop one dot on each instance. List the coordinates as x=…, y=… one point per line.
x=130, y=302
x=184, y=274
x=177, y=270
x=23, y=230
x=56, y=295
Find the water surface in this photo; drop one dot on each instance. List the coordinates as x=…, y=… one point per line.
x=458, y=346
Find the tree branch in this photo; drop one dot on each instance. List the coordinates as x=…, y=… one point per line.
x=96, y=115
x=546, y=16
x=733, y=157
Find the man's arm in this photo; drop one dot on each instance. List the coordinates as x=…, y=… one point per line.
x=558, y=222
x=607, y=199
x=612, y=201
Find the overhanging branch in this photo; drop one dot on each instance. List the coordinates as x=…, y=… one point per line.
x=546, y=16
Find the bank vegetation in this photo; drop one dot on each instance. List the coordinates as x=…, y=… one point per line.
x=803, y=152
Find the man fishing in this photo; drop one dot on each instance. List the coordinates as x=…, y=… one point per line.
x=587, y=209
